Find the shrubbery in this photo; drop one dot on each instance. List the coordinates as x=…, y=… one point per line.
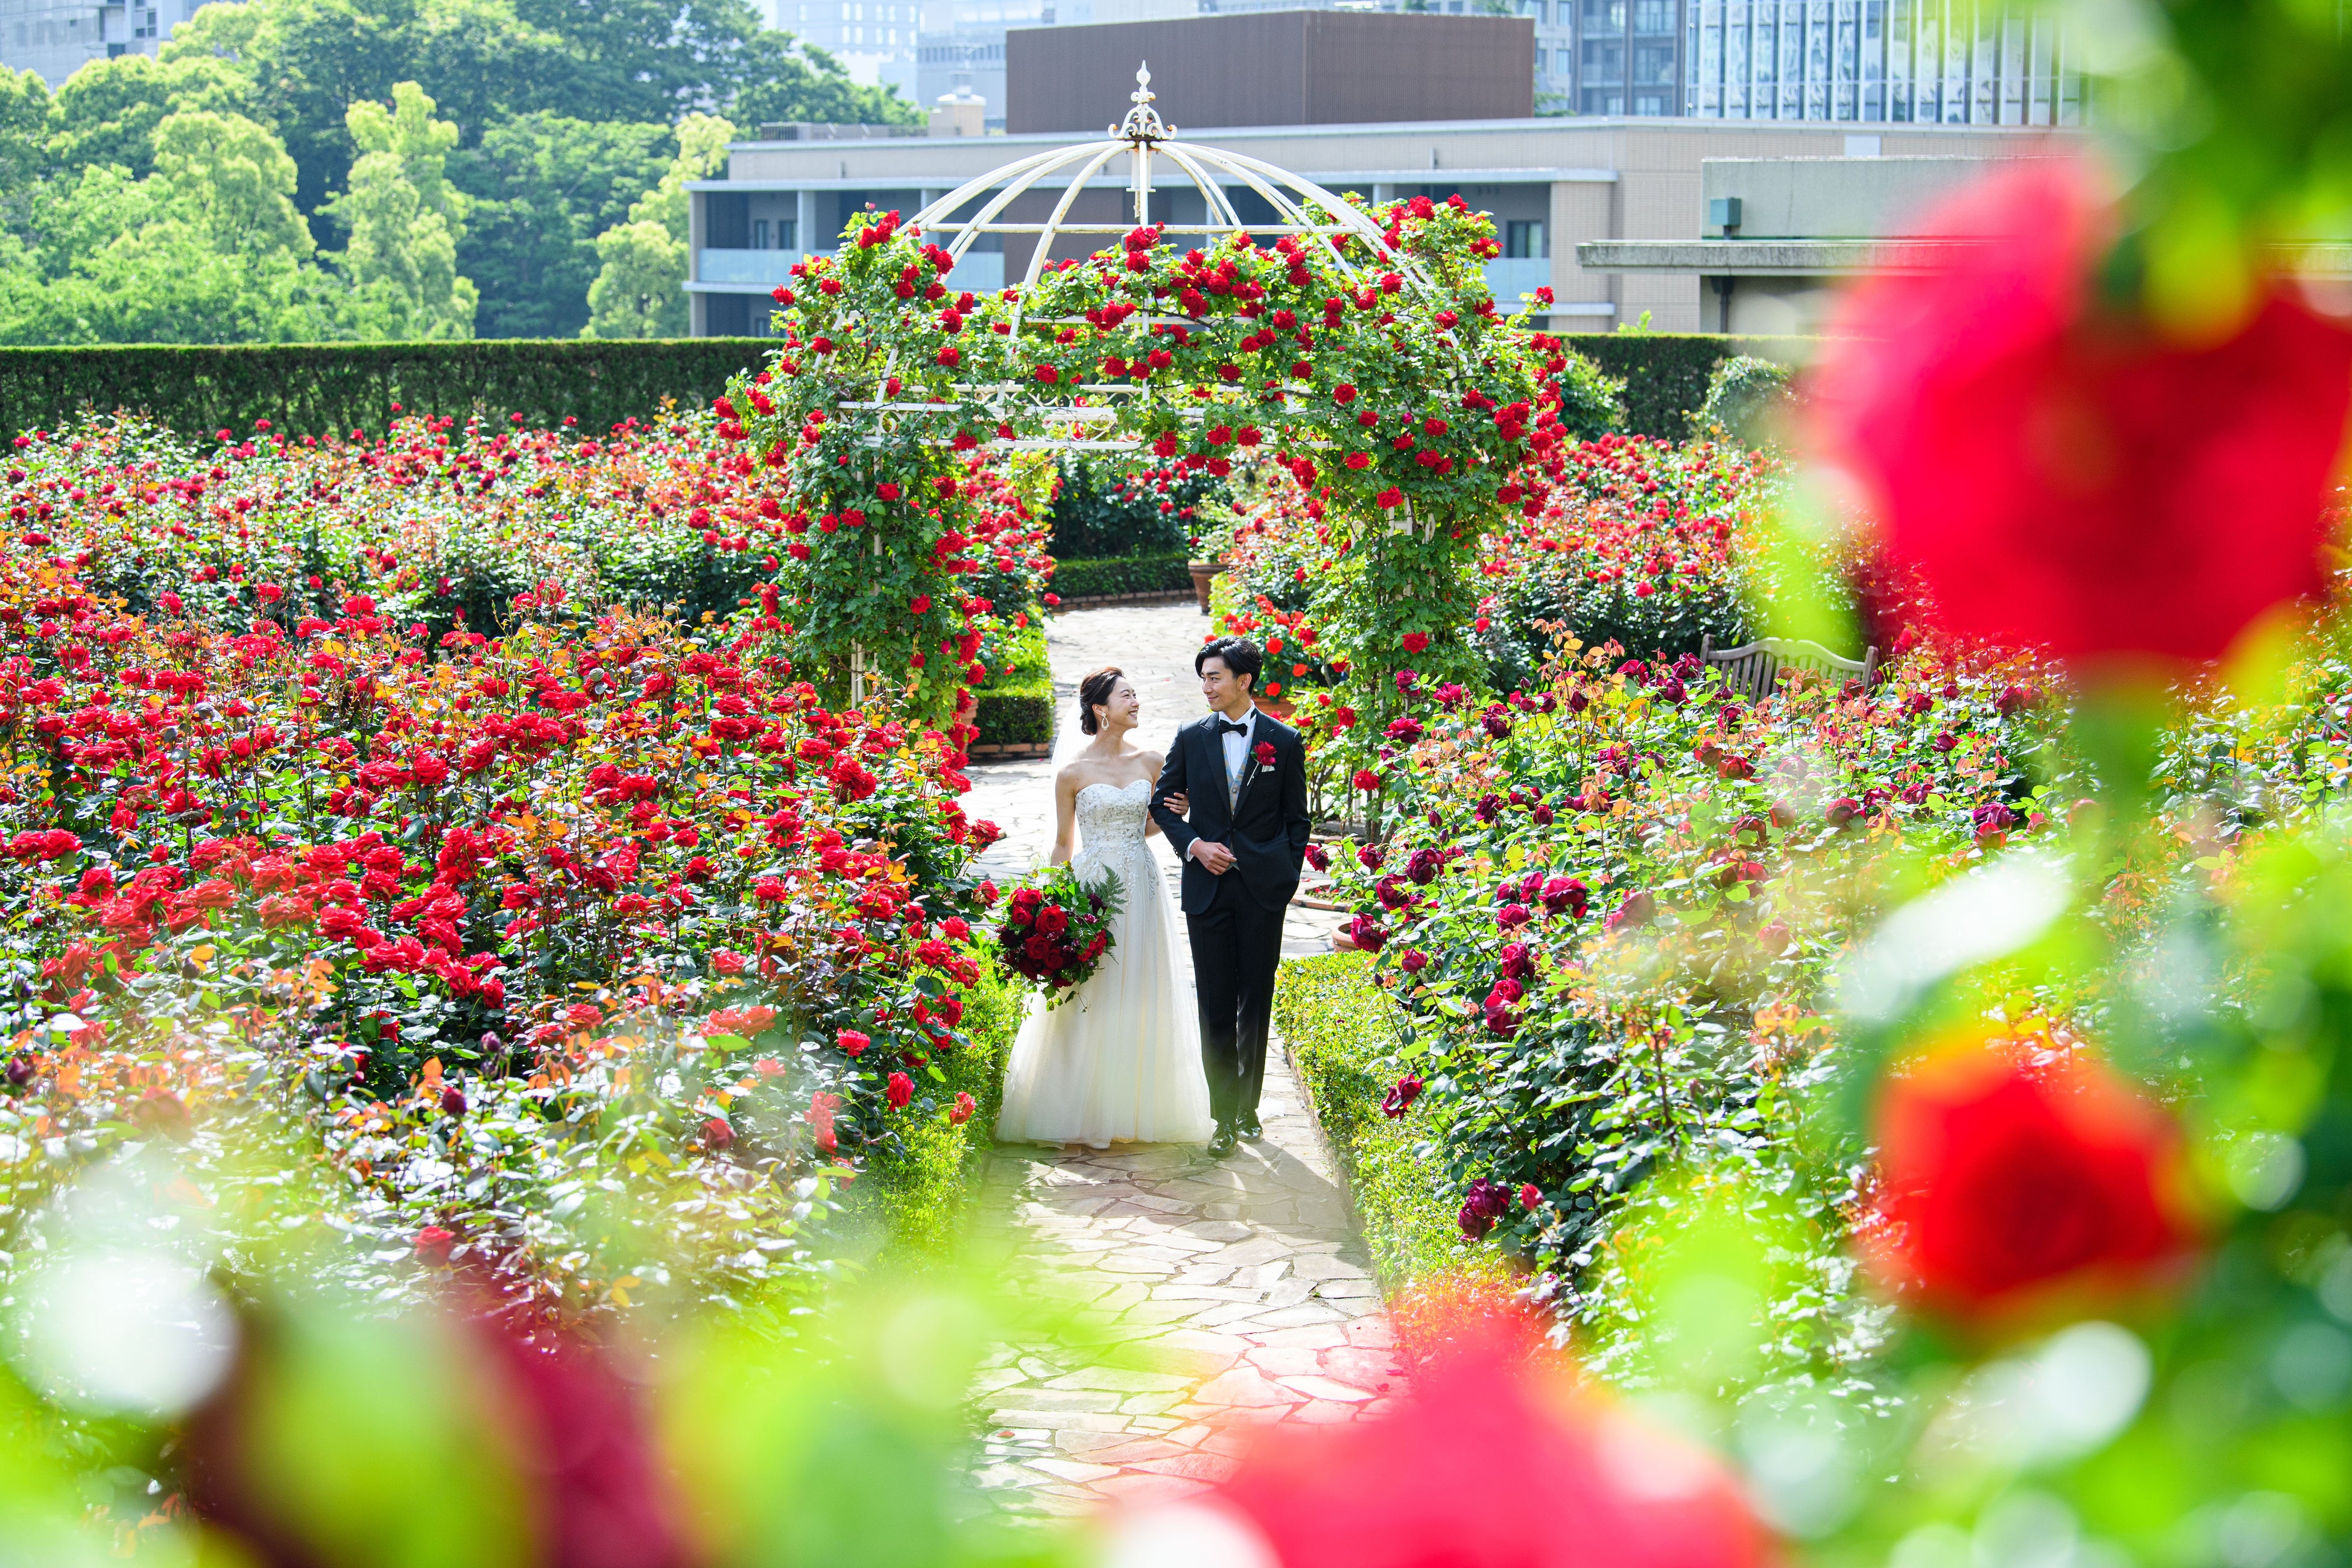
x=1119, y=576
x=1342, y=1032
x=479, y=878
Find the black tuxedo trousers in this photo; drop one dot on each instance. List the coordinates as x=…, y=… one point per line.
x=1237, y=947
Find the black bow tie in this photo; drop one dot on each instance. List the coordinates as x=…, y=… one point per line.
x=1227, y=727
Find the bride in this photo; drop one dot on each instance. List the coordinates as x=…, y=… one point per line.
x=1119, y=1060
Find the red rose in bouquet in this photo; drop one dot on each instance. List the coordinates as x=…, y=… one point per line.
x=1056, y=930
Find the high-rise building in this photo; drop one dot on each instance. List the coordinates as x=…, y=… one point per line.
x=57, y=37
x=1950, y=62
x=875, y=39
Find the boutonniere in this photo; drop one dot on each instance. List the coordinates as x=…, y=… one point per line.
x=1265, y=754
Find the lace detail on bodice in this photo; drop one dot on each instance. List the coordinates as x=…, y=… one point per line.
x=1111, y=818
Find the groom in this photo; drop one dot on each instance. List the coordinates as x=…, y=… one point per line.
x=1244, y=775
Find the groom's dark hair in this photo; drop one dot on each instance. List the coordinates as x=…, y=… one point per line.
x=1239, y=655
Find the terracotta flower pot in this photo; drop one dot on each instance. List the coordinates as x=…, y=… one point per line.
x=1204, y=578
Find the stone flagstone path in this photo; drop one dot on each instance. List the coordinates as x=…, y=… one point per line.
x=1216, y=1295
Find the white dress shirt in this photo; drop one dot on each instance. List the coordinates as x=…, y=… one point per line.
x=1236, y=750
x=1237, y=755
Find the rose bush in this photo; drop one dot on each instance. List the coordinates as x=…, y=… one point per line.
x=523, y=883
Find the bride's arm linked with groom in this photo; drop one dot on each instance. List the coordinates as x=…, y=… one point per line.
x=1243, y=773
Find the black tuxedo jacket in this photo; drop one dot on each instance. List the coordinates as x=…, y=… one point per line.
x=1266, y=830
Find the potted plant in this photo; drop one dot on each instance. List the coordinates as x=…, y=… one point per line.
x=1204, y=579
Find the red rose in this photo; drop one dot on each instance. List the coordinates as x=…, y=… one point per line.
x=1263, y=751
x=1399, y=1101
x=852, y=1041
x=1343, y=395
x=1367, y=780
x=1481, y=1464
x=1052, y=919
x=716, y=1133
x=434, y=1243
x=898, y=1090
x=2008, y=1188
x=1416, y=642
x=819, y=1117
x=1639, y=908
x=1041, y=949
x=2062, y=479
x=964, y=1106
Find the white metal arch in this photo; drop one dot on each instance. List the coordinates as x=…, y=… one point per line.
x=1304, y=208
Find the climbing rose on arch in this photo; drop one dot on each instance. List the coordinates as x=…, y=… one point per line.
x=2066, y=477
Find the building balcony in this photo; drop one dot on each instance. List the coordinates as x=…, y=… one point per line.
x=1513, y=277
x=739, y=269
x=768, y=267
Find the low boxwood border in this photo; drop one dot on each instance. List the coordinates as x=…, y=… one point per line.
x=916, y=1196
x=1341, y=1031
x=1122, y=575
x=1017, y=703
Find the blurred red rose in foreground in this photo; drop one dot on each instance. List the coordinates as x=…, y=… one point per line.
x=2012, y=1189
x=568, y=1438
x=1494, y=1461
x=2064, y=477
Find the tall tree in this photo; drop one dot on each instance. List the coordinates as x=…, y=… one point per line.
x=107, y=110
x=24, y=131
x=544, y=186
x=405, y=217
x=640, y=288
x=311, y=59
x=208, y=249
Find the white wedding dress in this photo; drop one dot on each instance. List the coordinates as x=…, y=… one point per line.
x=1119, y=1060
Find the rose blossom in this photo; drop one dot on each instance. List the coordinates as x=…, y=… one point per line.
x=2066, y=476
x=1494, y=1458
x=2007, y=1185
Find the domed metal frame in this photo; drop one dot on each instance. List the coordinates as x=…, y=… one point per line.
x=1302, y=207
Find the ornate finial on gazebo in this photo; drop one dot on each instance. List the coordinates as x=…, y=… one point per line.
x=1142, y=124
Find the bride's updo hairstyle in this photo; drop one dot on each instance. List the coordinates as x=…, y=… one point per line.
x=1094, y=692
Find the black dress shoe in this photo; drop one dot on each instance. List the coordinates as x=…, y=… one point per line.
x=1223, y=1144
x=1248, y=1130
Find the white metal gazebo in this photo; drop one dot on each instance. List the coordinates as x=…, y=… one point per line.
x=1085, y=411
x=1302, y=207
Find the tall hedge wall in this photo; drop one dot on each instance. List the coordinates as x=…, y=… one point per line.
x=1665, y=372
x=313, y=388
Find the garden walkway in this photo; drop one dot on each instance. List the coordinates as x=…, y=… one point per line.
x=1215, y=1295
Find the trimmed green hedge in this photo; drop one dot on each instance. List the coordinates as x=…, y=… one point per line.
x=916, y=1195
x=314, y=388
x=318, y=388
x=1016, y=702
x=1122, y=575
x=1665, y=373
x=1342, y=1034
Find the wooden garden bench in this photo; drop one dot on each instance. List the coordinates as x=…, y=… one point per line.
x=1755, y=667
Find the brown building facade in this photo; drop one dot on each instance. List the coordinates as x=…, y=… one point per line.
x=1273, y=67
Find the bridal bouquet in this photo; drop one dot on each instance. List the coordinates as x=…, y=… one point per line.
x=1056, y=930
